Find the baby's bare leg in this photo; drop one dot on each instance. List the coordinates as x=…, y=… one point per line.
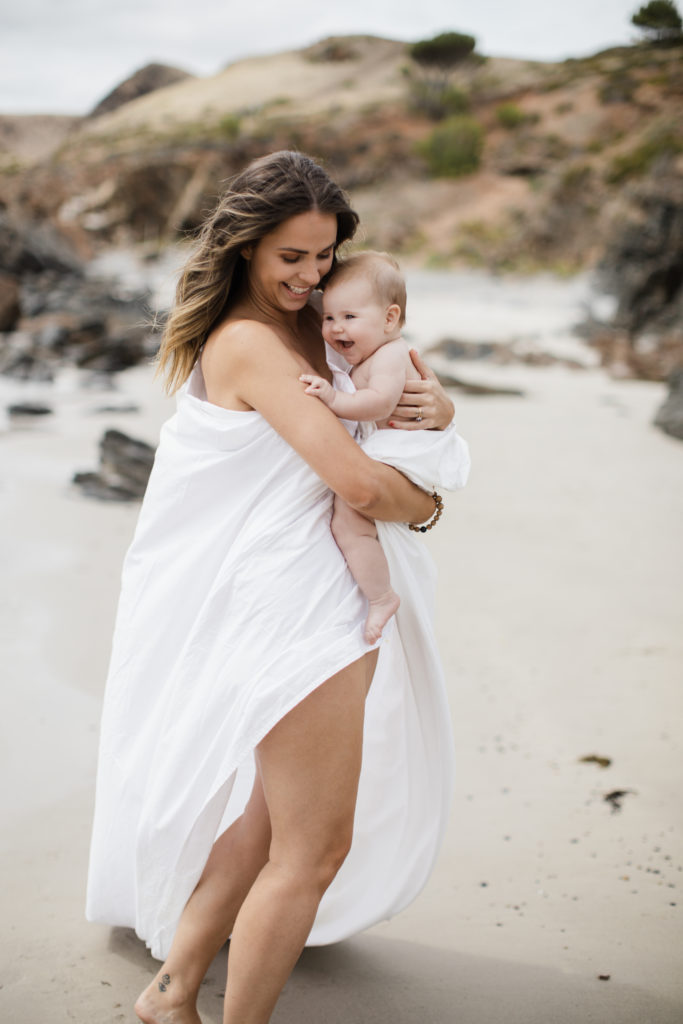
x=356, y=536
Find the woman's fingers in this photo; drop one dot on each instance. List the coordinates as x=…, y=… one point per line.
x=425, y=371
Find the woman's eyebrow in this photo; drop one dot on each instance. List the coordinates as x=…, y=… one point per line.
x=302, y=252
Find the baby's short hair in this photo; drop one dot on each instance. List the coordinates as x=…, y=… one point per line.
x=380, y=270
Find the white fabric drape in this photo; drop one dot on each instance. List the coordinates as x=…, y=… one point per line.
x=225, y=623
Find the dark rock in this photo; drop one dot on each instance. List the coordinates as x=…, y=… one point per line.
x=29, y=409
x=669, y=417
x=147, y=79
x=125, y=465
x=448, y=380
x=646, y=261
x=111, y=354
x=95, y=486
x=18, y=359
x=10, y=307
x=126, y=408
x=29, y=247
x=453, y=348
x=127, y=458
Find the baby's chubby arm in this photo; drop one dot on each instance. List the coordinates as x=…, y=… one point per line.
x=385, y=376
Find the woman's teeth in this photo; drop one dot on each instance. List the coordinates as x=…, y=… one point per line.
x=297, y=291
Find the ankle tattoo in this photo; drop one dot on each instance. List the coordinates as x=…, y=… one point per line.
x=165, y=982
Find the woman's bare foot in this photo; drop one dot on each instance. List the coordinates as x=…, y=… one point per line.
x=160, y=1004
x=379, y=613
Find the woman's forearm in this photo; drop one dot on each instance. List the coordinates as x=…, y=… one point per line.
x=394, y=498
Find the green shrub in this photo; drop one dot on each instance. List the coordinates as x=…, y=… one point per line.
x=453, y=148
x=444, y=50
x=510, y=115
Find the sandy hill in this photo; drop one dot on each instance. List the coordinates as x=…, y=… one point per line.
x=564, y=150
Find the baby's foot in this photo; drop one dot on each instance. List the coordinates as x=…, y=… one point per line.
x=159, y=1004
x=379, y=613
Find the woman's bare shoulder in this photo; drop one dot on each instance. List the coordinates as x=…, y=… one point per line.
x=241, y=339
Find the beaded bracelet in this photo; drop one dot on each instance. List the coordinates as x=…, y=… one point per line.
x=435, y=518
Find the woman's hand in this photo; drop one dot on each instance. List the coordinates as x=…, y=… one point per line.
x=424, y=405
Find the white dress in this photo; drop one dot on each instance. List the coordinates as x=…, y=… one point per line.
x=225, y=623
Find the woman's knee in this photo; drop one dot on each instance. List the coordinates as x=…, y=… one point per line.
x=314, y=861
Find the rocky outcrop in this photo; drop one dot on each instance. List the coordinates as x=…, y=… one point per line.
x=31, y=246
x=643, y=267
x=125, y=465
x=147, y=79
x=643, y=262
x=52, y=313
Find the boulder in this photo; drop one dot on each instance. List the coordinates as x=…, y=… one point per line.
x=643, y=262
x=669, y=417
x=29, y=409
x=125, y=465
x=30, y=247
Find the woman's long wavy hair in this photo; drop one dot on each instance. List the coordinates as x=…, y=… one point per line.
x=269, y=191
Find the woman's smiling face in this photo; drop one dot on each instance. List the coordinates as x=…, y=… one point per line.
x=287, y=264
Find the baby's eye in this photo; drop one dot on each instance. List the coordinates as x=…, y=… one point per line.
x=350, y=316
x=327, y=318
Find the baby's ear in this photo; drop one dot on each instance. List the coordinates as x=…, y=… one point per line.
x=392, y=315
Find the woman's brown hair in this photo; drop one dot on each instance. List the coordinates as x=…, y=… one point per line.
x=267, y=192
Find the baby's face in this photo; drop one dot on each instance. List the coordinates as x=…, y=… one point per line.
x=354, y=321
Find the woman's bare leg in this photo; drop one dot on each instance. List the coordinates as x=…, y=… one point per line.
x=356, y=536
x=209, y=915
x=310, y=766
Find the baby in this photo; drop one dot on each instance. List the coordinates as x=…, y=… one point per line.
x=364, y=306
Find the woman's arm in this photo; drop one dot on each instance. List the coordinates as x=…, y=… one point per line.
x=250, y=360
x=425, y=398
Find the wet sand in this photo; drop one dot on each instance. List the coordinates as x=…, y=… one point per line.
x=559, y=621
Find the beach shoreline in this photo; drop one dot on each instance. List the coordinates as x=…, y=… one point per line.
x=558, y=619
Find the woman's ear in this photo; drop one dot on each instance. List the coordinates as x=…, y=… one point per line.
x=392, y=316
x=246, y=252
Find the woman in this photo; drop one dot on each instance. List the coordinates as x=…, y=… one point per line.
x=233, y=728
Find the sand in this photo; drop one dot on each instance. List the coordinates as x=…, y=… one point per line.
x=559, y=621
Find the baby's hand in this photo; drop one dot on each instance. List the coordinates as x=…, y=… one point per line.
x=319, y=387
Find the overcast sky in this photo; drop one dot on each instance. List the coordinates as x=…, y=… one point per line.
x=64, y=55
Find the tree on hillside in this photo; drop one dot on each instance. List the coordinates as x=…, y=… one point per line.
x=660, y=19
x=443, y=51
x=432, y=90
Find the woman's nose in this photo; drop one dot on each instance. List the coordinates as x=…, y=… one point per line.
x=310, y=275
